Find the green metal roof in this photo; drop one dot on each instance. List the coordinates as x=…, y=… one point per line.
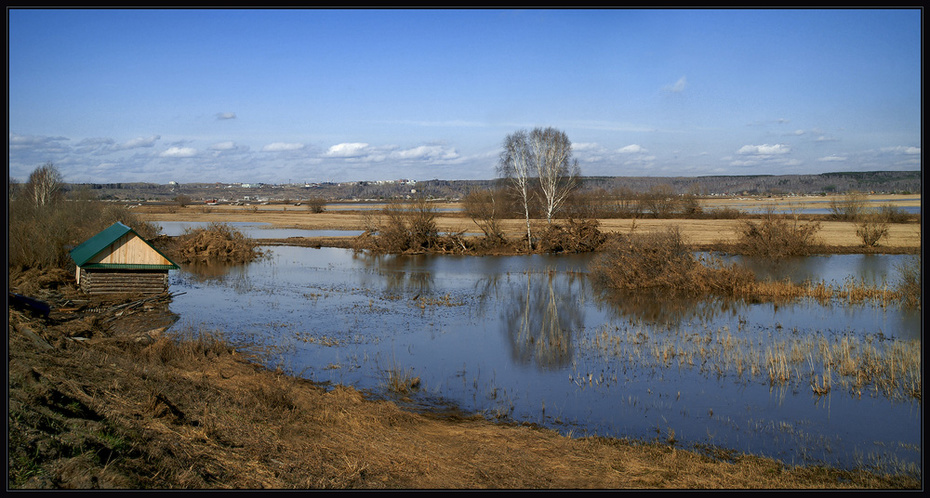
x=92, y=247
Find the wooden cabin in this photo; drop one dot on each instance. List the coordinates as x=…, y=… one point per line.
x=118, y=260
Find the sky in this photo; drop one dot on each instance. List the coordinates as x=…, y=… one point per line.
x=293, y=96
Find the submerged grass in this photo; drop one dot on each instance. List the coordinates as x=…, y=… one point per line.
x=874, y=365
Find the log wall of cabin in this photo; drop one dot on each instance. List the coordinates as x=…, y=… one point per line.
x=123, y=282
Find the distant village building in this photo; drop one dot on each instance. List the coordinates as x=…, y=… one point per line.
x=118, y=260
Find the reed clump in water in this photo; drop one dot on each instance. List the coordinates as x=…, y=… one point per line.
x=888, y=367
x=662, y=261
x=909, y=286
x=217, y=242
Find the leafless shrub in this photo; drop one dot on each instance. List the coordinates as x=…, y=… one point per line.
x=660, y=201
x=485, y=208
x=406, y=227
x=848, y=208
x=182, y=200
x=217, y=242
x=579, y=236
x=777, y=236
x=316, y=205
x=893, y=214
x=661, y=261
x=724, y=213
x=872, y=228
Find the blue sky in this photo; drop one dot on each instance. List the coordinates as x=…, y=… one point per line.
x=281, y=96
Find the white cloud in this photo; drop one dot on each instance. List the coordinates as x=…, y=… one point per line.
x=631, y=149
x=764, y=150
x=585, y=146
x=679, y=85
x=354, y=149
x=282, y=147
x=179, y=152
x=27, y=142
x=902, y=150
x=428, y=152
x=223, y=146
x=139, y=142
x=225, y=115
x=832, y=158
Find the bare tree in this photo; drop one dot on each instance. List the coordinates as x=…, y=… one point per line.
x=660, y=200
x=850, y=207
x=44, y=184
x=514, y=165
x=551, y=153
x=482, y=206
x=316, y=204
x=13, y=187
x=182, y=200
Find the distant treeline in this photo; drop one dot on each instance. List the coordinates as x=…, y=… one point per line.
x=898, y=182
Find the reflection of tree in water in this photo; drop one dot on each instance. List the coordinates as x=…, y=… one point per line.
x=400, y=274
x=539, y=319
x=667, y=310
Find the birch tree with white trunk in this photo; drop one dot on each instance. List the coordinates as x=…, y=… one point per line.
x=557, y=172
x=44, y=185
x=515, y=166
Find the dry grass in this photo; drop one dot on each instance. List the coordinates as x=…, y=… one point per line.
x=777, y=236
x=217, y=242
x=663, y=262
x=910, y=283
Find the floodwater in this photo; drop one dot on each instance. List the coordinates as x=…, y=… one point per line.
x=253, y=230
x=528, y=338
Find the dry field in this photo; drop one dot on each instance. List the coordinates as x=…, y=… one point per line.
x=701, y=232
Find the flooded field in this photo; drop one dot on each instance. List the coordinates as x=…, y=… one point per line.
x=527, y=338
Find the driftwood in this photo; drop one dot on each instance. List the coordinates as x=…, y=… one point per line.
x=36, y=339
x=133, y=306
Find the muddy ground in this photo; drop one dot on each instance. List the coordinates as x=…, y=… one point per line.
x=101, y=397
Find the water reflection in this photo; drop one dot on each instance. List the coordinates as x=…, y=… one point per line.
x=522, y=327
x=873, y=269
x=540, y=318
x=210, y=271
x=398, y=274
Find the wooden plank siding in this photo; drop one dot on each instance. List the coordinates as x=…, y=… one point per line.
x=123, y=282
x=130, y=249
